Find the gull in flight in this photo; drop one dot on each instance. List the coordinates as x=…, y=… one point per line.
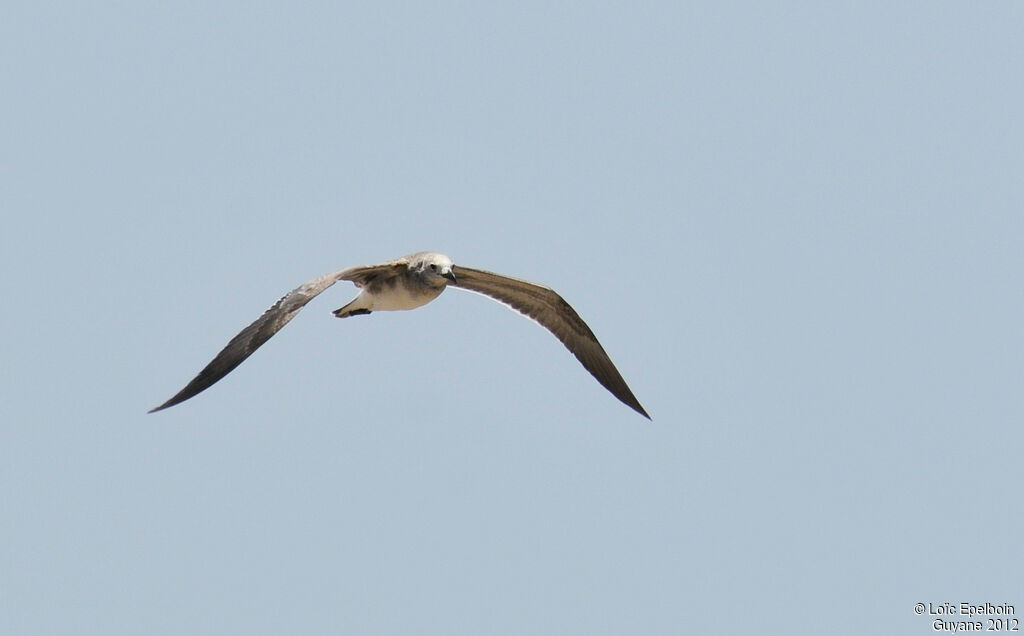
x=410, y=282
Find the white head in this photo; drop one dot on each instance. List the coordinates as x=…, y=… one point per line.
x=435, y=269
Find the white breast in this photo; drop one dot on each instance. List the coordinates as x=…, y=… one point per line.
x=399, y=298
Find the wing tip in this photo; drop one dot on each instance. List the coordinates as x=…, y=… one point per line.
x=163, y=406
x=639, y=409
x=180, y=397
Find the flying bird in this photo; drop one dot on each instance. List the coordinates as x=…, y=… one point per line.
x=410, y=282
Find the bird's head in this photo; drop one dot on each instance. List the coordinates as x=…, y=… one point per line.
x=436, y=269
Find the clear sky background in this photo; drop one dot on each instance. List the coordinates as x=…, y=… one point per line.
x=798, y=229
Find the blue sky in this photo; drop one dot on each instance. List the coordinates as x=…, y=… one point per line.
x=796, y=229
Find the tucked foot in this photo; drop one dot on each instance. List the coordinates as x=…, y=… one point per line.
x=345, y=313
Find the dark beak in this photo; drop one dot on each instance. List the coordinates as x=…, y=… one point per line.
x=450, y=275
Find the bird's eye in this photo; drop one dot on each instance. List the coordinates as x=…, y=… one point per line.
x=433, y=267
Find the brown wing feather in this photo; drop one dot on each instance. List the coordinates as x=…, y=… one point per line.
x=273, y=319
x=550, y=310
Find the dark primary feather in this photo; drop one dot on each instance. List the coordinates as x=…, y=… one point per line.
x=252, y=337
x=550, y=310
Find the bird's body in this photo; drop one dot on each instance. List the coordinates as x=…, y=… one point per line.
x=410, y=282
x=396, y=295
x=402, y=289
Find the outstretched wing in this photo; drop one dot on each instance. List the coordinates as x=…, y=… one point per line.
x=545, y=306
x=252, y=337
